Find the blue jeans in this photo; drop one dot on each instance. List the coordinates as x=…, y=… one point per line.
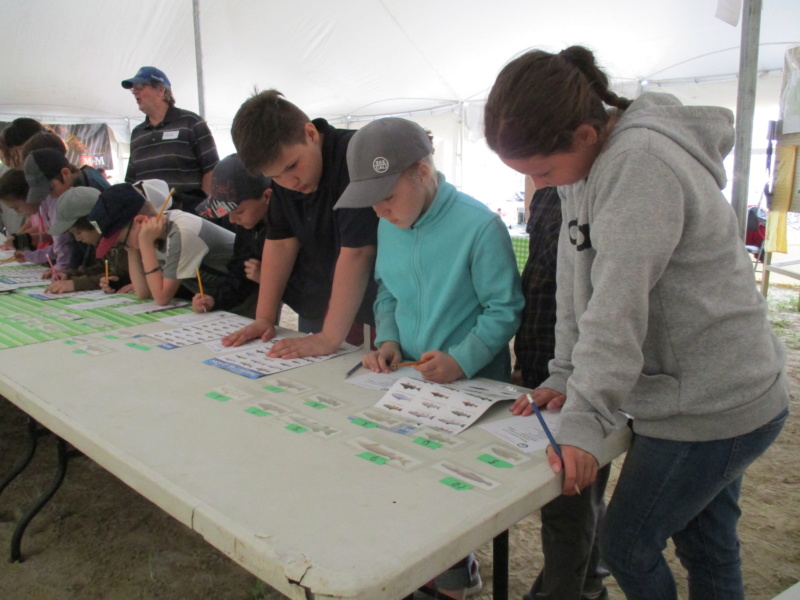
x=687, y=491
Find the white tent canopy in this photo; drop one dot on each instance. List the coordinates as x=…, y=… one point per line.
x=352, y=59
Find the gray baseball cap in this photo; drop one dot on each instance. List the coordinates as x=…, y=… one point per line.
x=376, y=157
x=41, y=166
x=73, y=204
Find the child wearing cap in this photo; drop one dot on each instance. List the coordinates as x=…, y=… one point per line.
x=244, y=198
x=14, y=198
x=165, y=250
x=448, y=286
x=318, y=262
x=49, y=174
x=71, y=210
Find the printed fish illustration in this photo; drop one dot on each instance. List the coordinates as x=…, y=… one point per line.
x=431, y=405
x=438, y=395
x=451, y=422
x=376, y=416
x=467, y=474
x=314, y=426
x=408, y=386
x=468, y=403
x=503, y=453
x=442, y=439
x=392, y=407
x=378, y=449
x=399, y=396
x=460, y=413
x=421, y=415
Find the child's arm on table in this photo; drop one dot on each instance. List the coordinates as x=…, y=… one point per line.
x=277, y=261
x=350, y=279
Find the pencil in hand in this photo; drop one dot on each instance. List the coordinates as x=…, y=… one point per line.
x=409, y=364
x=164, y=206
x=200, y=285
x=549, y=434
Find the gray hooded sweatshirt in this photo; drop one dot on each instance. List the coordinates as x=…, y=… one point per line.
x=658, y=312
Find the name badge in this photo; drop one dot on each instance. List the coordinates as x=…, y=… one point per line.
x=170, y=135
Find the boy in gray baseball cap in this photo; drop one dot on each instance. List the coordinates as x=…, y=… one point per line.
x=449, y=293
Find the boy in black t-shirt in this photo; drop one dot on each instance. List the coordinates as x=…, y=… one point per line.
x=329, y=256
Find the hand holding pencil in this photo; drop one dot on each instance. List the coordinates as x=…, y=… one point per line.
x=579, y=467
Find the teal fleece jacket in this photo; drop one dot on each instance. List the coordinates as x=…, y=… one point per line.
x=658, y=312
x=450, y=283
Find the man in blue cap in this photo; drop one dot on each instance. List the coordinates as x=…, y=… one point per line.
x=172, y=144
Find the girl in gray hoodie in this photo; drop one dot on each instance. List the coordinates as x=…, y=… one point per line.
x=658, y=314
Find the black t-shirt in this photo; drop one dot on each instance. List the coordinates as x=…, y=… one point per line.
x=321, y=231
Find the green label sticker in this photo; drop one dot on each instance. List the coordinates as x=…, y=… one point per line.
x=253, y=410
x=296, y=428
x=217, y=396
x=494, y=461
x=274, y=388
x=364, y=423
x=136, y=346
x=427, y=443
x=315, y=404
x=456, y=484
x=373, y=458
x=79, y=351
x=111, y=337
x=70, y=342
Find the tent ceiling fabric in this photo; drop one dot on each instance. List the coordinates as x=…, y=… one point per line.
x=348, y=57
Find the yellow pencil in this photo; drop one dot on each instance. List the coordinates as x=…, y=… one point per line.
x=410, y=364
x=200, y=283
x=106, y=261
x=163, y=206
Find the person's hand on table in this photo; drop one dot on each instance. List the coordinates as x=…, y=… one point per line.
x=104, y=284
x=318, y=344
x=260, y=328
x=61, y=286
x=52, y=274
x=201, y=303
x=126, y=289
x=19, y=256
x=383, y=359
x=439, y=367
x=579, y=467
x=252, y=269
x=545, y=398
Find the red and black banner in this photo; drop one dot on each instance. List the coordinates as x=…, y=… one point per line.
x=87, y=144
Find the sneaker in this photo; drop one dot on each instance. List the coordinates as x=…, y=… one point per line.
x=475, y=582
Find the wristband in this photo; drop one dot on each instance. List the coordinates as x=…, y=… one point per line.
x=151, y=271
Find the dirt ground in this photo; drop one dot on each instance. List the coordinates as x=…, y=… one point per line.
x=99, y=540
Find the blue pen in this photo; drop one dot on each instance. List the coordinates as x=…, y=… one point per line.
x=549, y=434
x=550, y=437
x=353, y=370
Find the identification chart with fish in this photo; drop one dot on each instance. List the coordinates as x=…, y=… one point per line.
x=450, y=408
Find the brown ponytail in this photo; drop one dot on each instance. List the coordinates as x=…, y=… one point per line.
x=539, y=99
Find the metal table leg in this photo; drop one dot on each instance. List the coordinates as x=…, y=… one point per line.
x=34, y=433
x=500, y=566
x=64, y=455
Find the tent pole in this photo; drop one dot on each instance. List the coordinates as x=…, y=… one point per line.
x=198, y=56
x=745, y=108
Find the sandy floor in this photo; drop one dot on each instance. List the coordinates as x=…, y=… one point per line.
x=98, y=539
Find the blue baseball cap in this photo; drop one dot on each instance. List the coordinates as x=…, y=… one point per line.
x=147, y=75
